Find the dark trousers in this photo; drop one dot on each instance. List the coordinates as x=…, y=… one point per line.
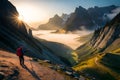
x=21, y=58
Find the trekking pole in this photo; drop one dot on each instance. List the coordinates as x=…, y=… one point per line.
x=31, y=65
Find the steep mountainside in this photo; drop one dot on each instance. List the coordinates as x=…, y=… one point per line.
x=99, y=58
x=80, y=19
x=54, y=23
x=15, y=33
x=108, y=35
x=65, y=17
x=104, y=39
x=89, y=19
x=99, y=14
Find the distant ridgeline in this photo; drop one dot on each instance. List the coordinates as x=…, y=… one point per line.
x=81, y=19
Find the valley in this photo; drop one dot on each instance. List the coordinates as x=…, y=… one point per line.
x=71, y=40
x=82, y=45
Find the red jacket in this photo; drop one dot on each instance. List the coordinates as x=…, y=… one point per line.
x=19, y=52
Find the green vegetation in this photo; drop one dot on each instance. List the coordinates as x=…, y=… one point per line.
x=116, y=51
x=113, y=62
x=103, y=61
x=100, y=67
x=85, y=52
x=75, y=56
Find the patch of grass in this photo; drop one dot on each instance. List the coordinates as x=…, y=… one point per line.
x=116, y=51
x=98, y=74
x=100, y=67
x=85, y=52
x=86, y=64
x=112, y=61
x=75, y=56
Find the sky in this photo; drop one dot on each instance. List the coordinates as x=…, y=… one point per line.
x=36, y=12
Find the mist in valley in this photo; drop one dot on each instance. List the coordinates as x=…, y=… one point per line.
x=68, y=39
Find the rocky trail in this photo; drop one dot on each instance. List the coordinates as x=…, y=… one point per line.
x=11, y=69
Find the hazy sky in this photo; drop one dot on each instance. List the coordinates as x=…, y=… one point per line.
x=35, y=12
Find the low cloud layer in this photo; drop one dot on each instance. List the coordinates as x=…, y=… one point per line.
x=114, y=13
x=66, y=39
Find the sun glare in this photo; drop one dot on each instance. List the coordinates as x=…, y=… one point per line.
x=31, y=14
x=20, y=17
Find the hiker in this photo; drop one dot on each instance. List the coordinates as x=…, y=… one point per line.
x=20, y=53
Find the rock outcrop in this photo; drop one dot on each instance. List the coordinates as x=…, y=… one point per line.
x=79, y=20
x=105, y=36
x=53, y=24
x=105, y=39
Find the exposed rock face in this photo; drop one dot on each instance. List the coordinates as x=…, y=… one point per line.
x=105, y=39
x=65, y=17
x=56, y=20
x=99, y=14
x=79, y=20
x=11, y=29
x=9, y=17
x=90, y=19
x=105, y=36
x=54, y=23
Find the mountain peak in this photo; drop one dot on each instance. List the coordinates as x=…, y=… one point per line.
x=56, y=16
x=63, y=14
x=80, y=9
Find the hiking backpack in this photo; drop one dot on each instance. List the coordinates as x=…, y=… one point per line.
x=19, y=52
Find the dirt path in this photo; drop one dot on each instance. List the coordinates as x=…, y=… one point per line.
x=33, y=70
x=96, y=61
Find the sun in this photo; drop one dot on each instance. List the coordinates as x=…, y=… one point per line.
x=20, y=17
x=32, y=15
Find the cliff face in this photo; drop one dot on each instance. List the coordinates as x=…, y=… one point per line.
x=105, y=39
x=89, y=19
x=9, y=17
x=105, y=36
x=54, y=23
x=79, y=20
x=12, y=30
x=99, y=14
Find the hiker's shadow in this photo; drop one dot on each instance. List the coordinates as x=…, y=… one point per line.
x=32, y=72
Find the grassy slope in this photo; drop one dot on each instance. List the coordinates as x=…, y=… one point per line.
x=102, y=67
x=84, y=52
